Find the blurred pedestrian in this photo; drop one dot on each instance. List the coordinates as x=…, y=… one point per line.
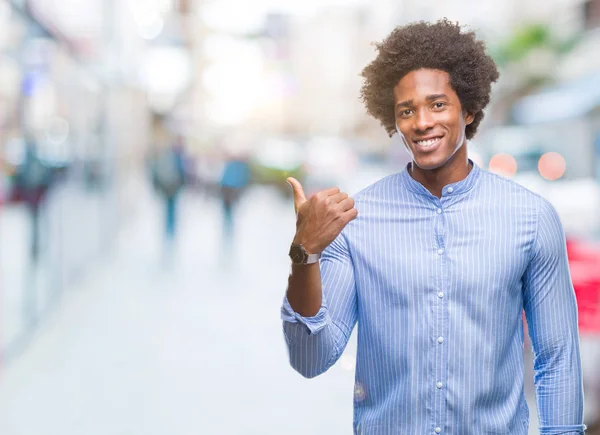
x=32, y=180
x=168, y=178
x=436, y=264
x=235, y=179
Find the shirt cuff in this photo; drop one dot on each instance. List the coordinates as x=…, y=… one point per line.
x=563, y=430
x=314, y=324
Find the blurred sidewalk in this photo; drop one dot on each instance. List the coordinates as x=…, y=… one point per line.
x=141, y=347
x=72, y=227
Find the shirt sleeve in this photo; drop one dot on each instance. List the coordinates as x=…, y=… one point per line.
x=315, y=343
x=551, y=311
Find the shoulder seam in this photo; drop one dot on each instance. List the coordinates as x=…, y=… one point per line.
x=513, y=183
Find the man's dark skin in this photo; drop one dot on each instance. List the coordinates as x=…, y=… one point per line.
x=427, y=108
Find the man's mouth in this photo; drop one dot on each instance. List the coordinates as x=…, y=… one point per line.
x=428, y=143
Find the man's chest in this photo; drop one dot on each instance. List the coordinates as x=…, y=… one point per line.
x=400, y=259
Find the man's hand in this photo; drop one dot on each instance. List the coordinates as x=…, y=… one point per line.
x=320, y=219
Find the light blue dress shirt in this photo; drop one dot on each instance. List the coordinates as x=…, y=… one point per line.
x=438, y=287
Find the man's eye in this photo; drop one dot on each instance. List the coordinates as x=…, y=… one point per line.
x=405, y=112
x=439, y=105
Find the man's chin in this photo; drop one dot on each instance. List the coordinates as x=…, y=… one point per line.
x=429, y=164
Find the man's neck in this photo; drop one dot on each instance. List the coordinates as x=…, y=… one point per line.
x=434, y=180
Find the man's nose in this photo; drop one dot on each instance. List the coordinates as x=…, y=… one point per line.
x=423, y=120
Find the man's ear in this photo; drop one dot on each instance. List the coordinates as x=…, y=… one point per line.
x=469, y=117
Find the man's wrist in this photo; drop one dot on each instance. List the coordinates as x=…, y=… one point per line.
x=300, y=255
x=308, y=247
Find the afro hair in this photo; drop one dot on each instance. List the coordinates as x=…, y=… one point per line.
x=441, y=46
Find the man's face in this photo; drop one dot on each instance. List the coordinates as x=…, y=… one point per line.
x=429, y=117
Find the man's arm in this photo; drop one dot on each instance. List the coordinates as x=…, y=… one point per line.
x=317, y=334
x=316, y=342
x=551, y=310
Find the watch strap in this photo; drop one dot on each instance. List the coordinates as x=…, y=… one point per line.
x=312, y=258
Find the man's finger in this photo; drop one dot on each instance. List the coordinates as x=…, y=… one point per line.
x=347, y=204
x=338, y=197
x=350, y=214
x=299, y=196
x=330, y=191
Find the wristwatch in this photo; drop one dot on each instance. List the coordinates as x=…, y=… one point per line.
x=299, y=255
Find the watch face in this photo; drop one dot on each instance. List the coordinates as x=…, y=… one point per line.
x=297, y=254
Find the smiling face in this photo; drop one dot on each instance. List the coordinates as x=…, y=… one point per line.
x=429, y=118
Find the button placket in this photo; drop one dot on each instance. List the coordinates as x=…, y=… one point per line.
x=438, y=373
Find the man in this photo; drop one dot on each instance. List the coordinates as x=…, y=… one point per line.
x=436, y=264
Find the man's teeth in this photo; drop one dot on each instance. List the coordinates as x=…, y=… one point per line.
x=427, y=143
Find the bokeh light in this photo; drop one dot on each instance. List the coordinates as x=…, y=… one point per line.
x=552, y=166
x=57, y=131
x=503, y=164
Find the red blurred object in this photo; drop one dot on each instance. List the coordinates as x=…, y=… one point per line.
x=584, y=262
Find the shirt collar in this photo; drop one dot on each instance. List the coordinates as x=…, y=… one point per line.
x=457, y=188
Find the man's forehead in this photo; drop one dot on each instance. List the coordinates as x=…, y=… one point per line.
x=424, y=78
x=423, y=83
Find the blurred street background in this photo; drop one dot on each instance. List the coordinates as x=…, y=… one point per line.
x=145, y=219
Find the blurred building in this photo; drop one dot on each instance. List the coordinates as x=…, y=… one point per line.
x=81, y=82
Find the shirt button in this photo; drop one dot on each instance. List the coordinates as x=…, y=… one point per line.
x=439, y=211
x=440, y=295
x=438, y=429
x=450, y=190
x=440, y=340
x=440, y=251
x=439, y=385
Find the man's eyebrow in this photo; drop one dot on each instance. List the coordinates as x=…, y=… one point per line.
x=407, y=103
x=435, y=97
x=432, y=97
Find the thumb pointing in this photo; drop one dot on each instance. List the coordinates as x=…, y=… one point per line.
x=299, y=196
